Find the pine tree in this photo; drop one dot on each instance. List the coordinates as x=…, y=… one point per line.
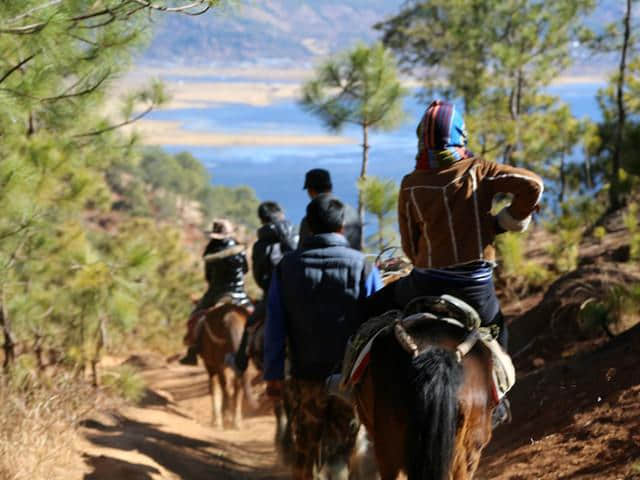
x=620, y=129
x=361, y=87
x=497, y=56
x=58, y=61
x=380, y=198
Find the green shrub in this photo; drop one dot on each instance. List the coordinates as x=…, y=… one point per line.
x=510, y=250
x=599, y=233
x=519, y=274
x=630, y=219
x=616, y=309
x=124, y=381
x=564, y=249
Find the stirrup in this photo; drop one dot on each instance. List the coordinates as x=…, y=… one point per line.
x=230, y=361
x=501, y=414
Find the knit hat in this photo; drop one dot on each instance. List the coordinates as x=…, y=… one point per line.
x=442, y=137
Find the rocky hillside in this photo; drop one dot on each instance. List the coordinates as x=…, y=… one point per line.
x=276, y=31
x=252, y=31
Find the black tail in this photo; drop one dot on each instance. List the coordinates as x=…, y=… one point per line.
x=435, y=377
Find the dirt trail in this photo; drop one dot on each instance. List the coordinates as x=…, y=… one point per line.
x=168, y=436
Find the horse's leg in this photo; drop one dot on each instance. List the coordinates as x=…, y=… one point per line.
x=237, y=402
x=286, y=441
x=473, y=435
x=215, y=388
x=227, y=396
x=387, y=435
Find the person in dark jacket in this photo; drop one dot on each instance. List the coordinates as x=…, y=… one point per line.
x=276, y=237
x=311, y=313
x=318, y=182
x=224, y=269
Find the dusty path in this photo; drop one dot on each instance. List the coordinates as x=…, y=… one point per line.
x=168, y=436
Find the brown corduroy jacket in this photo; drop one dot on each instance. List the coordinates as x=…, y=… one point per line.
x=445, y=215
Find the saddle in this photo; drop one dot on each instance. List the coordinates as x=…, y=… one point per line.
x=420, y=311
x=194, y=323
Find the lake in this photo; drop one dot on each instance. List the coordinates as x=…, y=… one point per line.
x=277, y=172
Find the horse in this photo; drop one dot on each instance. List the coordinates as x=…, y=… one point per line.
x=221, y=333
x=428, y=413
x=283, y=438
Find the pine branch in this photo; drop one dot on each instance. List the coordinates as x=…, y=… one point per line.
x=25, y=29
x=17, y=67
x=185, y=9
x=116, y=126
x=35, y=9
x=81, y=93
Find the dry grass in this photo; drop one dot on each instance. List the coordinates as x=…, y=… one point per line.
x=38, y=421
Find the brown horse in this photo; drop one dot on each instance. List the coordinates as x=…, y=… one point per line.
x=429, y=415
x=221, y=333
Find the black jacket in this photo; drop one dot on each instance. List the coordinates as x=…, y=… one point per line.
x=352, y=227
x=320, y=284
x=225, y=272
x=274, y=240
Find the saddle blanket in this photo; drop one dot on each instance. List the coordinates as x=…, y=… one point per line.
x=358, y=354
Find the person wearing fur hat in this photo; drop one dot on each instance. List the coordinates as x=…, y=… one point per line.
x=224, y=269
x=445, y=221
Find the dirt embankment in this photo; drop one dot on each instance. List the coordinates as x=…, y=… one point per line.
x=576, y=405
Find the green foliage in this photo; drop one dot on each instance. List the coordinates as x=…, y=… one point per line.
x=74, y=275
x=565, y=249
x=174, y=186
x=630, y=219
x=518, y=273
x=575, y=216
x=360, y=86
x=125, y=382
x=498, y=57
x=619, y=129
x=599, y=233
x=616, y=309
x=380, y=198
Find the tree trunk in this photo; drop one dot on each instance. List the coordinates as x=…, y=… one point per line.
x=614, y=190
x=9, y=342
x=587, y=172
x=563, y=180
x=380, y=233
x=101, y=335
x=363, y=175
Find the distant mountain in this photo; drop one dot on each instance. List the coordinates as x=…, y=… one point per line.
x=286, y=31
x=268, y=30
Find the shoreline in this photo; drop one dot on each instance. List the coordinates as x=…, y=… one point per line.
x=253, y=86
x=170, y=132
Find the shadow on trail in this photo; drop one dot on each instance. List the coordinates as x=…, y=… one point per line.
x=109, y=467
x=187, y=457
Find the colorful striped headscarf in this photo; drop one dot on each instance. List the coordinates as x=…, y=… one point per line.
x=442, y=137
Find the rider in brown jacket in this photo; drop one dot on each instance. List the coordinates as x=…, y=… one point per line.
x=445, y=219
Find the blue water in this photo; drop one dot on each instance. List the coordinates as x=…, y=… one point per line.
x=277, y=172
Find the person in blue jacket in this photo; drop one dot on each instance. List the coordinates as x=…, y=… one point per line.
x=311, y=313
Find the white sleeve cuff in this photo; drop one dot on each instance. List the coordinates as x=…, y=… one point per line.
x=506, y=221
